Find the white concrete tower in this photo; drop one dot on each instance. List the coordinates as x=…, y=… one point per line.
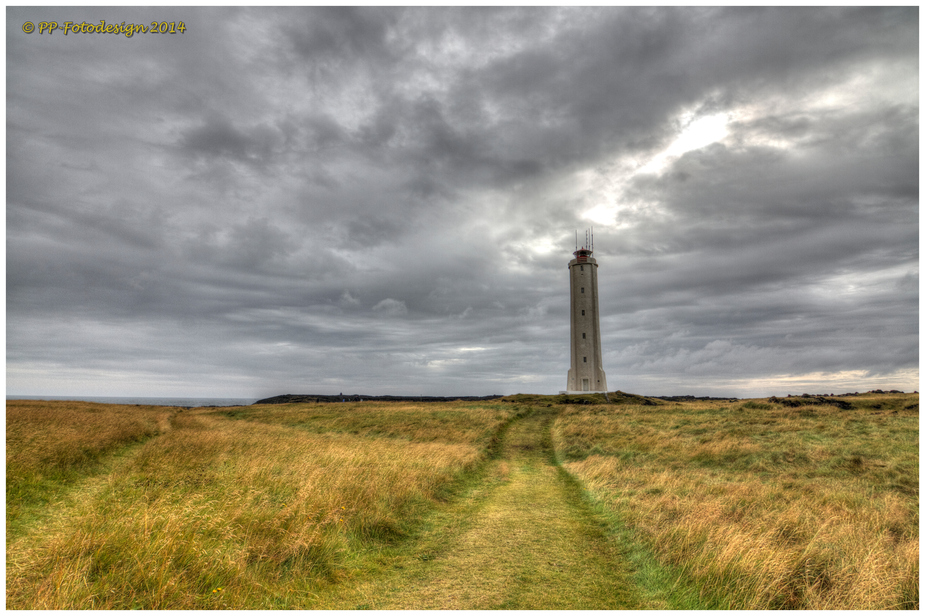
x=587, y=372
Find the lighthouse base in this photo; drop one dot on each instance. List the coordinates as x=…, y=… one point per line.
x=581, y=392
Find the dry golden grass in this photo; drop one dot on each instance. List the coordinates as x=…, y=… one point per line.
x=451, y=422
x=50, y=445
x=528, y=543
x=232, y=511
x=42, y=435
x=765, y=506
x=290, y=507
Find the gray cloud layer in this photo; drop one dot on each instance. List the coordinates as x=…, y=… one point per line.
x=384, y=200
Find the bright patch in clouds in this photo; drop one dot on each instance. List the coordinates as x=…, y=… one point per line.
x=603, y=214
x=697, y=134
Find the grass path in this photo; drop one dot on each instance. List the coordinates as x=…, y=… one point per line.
x=39, y=521
x=522, y=540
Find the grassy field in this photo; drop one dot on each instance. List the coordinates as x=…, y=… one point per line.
x=750, y=504
x=50, y=445
x=252, y=508
x=763, y=505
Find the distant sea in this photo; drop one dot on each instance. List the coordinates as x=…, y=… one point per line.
x=151, y=401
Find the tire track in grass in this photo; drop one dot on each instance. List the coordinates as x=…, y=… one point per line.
x=41, y=522
x=530, y=542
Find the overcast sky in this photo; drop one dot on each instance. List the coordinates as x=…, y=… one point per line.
x=384, y=201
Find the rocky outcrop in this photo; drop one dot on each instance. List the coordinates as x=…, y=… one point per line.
x=807, y=400
x=692, y=398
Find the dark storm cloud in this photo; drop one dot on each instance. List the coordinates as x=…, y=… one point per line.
x=380, y=199
x=342, y=35
x=218, y=138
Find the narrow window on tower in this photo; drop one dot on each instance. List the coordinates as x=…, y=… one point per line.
x=582, y=313
x=582, y=289
x=582, y=335
x=584, y=359
x=582, y=267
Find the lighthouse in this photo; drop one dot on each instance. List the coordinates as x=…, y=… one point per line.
x=586, y=374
